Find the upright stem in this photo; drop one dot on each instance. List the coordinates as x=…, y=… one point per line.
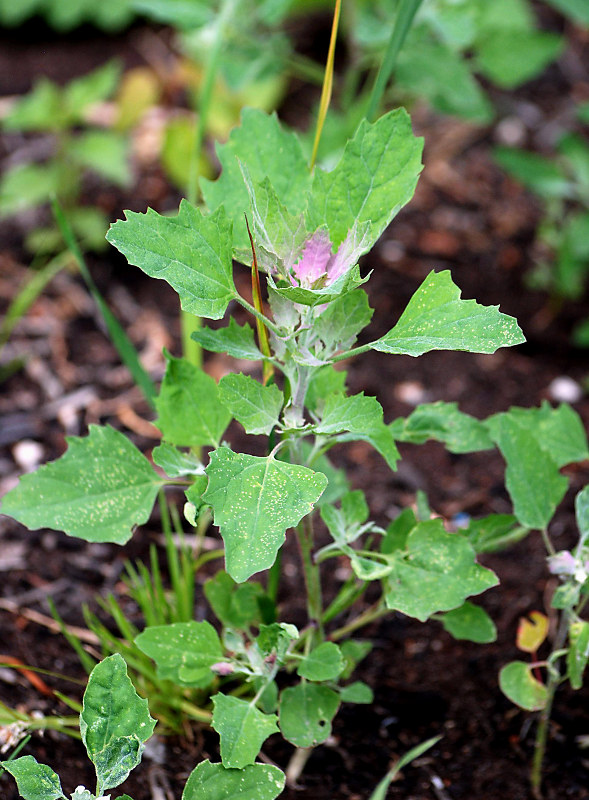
x=311, y=572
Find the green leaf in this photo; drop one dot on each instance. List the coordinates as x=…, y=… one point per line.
x=255, y=500
x=268, y=151
x=358, y=417
x=39, y=110
x=181, y=14
x=174, y=462
x=190, y=251
x=35, y=781
x=190, y=412
x=28, y=185
x=374, y=179
x=510, y=58
x=437, y=319
x=324, y=381
x=306, y=712
x=95, y=87
x=99, y=490
x=532, y=478
x=582, y=514
x=347, y=282
x=242, y=729
x=437, y=572
x=578, y=652
x=114, y=722
x=353, y=652
x=324, y=663
x=519, y=685
x=257, y=407
x=104, y=152
x=357, y=692
x=539, y=174
x=493, y=533
x=235, y=340
x=343, y=319
x=184, y=652
x=396, y=534
x=213, y=782
x=460, y=432
x=346, y=524
x=275, y=639
x=235, y=605
x=470, y=622
x=577, y=10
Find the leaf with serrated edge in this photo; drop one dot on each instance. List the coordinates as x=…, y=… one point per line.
x=306, y=712
x=35, y=781
x=114, y=721
x=242, y=729
x=99, y=490
x=444, y=422
x=213, y=782
x=268, y=151
x=235, y=340
x=182, y=651
x=374, y=179
x=437, y=319
x=343, y=319
x=191, y=252
x=255, y=500
x=190, y=413
x=437, y=572
x=174, y=462
x=532, y=478
x=257, y=407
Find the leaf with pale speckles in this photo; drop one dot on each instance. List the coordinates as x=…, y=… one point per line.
x=242, y=729
x=99, y=490
x=306, y=712
x=114, y=722
x=192, y=252
x=256, y=406
x=436, y=572
x=437, y=319
x=35, y=781
x=214, y=782
x=183, y=651
x=255, y=500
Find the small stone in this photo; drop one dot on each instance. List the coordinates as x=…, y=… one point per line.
x=565, y=390
x=28, y=454
x=411, y=392
x=511, y=131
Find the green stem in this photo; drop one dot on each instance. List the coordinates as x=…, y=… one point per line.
x=355, y=351
x=547, y=542
x=403, y=22
x=258, y=315
x=371, y=614
x=311, y=573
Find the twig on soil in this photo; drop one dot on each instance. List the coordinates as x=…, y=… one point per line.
x=47, y=622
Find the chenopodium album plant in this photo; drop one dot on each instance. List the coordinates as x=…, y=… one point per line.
x=308, y=231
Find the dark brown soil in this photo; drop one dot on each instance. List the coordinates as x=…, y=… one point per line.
x=466, y=216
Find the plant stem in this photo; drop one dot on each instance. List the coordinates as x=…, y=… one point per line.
x=547, y=543
x=371, y=614
x=296, y=765
x=327, y=83
x=403, y=22
x=258, y=315
x=311, y=572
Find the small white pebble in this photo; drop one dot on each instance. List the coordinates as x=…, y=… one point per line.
x=28, y=454
x=411, y=392
x=511, y=131
x=565, y=390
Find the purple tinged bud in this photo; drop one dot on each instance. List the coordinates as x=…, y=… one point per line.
x=563, y=563
x=223, y=668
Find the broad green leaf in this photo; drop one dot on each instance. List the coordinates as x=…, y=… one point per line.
x=582, y=514
x=99, y=490
x=437, y=319
x=39, y=110
x=374, y=179
x=358, y=417
x=92, y=88
x=442, y=421
x=184, y=652
x=396, y=534
x=346, y=283
x=353, y=652
x=324, y=382
x=257, y=407
x=174, y=462
x=537, y=173
x=213, y=782
x=182, y=14
x=191, y=252
x=324, y=663
x=521, y=687
x=493, y=533
x=532, y=478
x=29, y=185
x=190, y=413
x=347, y=523
x=470, y=622
x=268, y=151
x=35, y=781
x=104, y=152
x=337, y=481
x=577, y=10
x=566, y=595
x=343, y=319
x=578, y=652
x=510, y=58
x=274, y=640
x=114, y=722
x=235, y=340
x=235, y=605
x=531, y=632
x=255, y=500
x=437, y=572
x=242, y=729
x=305, y=713
x=357, y=692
